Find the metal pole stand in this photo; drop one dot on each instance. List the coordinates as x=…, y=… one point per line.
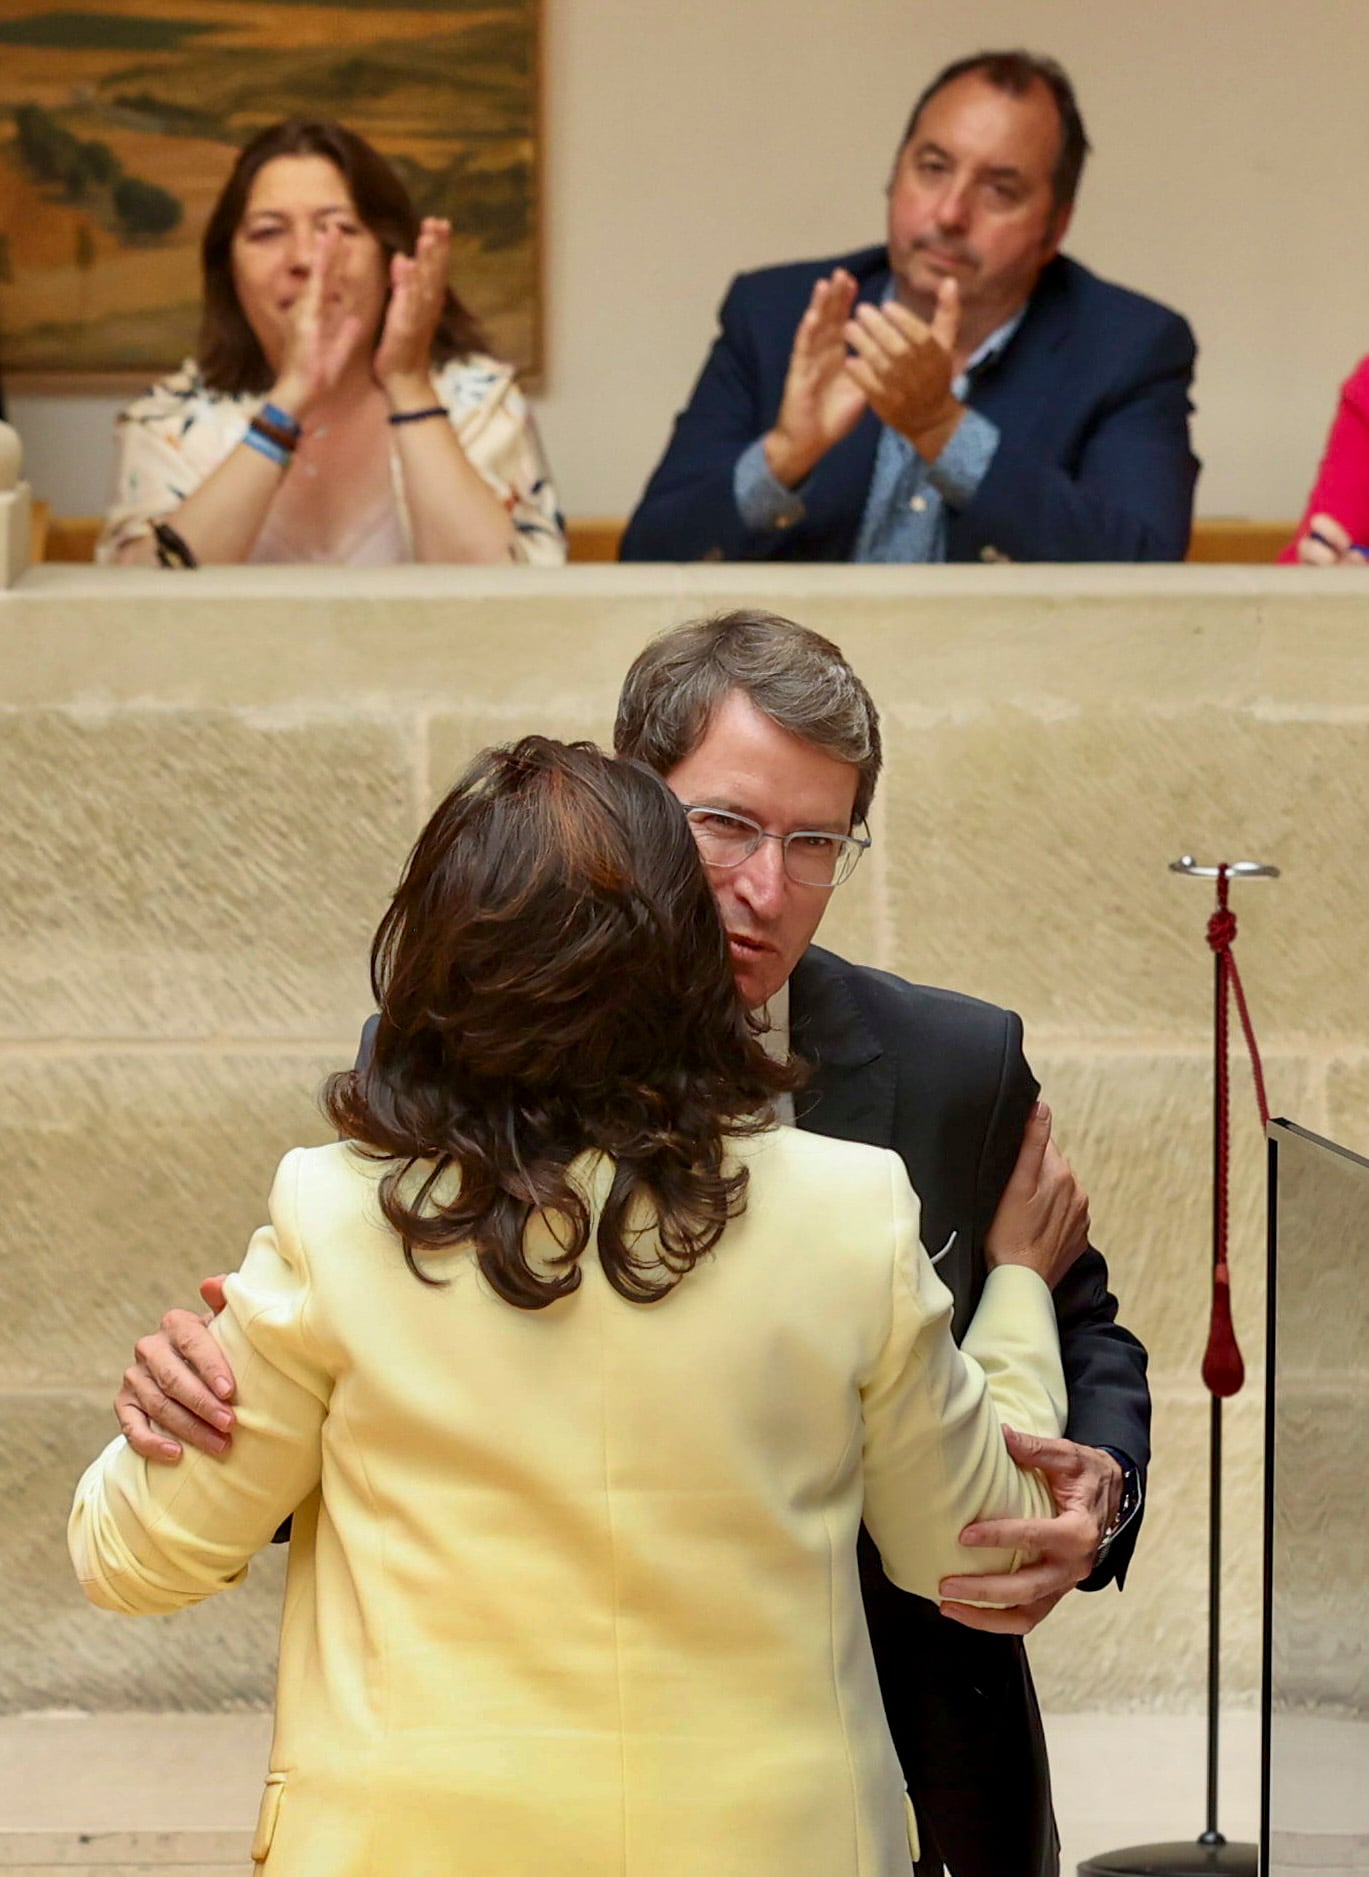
x=1209, y=1855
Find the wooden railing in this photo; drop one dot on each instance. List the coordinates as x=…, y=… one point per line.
x=593, y=538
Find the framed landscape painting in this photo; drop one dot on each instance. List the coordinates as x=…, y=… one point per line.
x=120, y=119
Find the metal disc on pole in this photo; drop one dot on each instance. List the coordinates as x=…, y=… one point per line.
x=1175, y=1860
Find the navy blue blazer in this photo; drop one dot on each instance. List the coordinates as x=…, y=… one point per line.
x=1091, y=399
x=942, y=1080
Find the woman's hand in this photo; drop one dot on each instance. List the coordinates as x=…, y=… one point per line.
x=1042, y=1220
x=1324, y=543
x=418, y=288
x=454, y=514
x=322, y=337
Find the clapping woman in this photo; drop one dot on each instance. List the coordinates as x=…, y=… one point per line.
x=341, y=406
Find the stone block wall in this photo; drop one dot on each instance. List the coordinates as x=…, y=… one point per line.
x=208, y=785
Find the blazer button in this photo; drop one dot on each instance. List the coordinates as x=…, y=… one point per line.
x=784, y=521
x=918, y=504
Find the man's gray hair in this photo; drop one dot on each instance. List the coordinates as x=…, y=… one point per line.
x=796, y=677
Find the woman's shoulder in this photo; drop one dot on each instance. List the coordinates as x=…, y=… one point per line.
x=181, y=398
x=803, y=1164
x=1355, y=390
x=319, y=1190
x=824, y=1218
x=181, y=404
x=336, y=1166
x=465, y=384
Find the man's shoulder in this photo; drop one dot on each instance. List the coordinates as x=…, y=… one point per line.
x=945, y=1071
x=794, y=279
x=1076, y=292
x=898, y=1010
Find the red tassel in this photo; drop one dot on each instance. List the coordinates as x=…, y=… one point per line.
x=1223, y=1369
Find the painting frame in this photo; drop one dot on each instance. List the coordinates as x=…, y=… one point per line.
x=518, y=291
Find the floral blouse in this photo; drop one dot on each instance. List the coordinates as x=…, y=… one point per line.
x=177, y=435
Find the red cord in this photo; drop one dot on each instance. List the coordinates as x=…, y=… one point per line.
x=1223, y=1369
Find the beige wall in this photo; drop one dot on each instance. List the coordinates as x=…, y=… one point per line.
x=684, y=143
x=201, y=813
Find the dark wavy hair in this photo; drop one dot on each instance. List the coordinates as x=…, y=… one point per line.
x=229, y=355
x=553, y=977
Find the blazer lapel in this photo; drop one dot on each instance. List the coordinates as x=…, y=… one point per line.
x=851, y=1093
x=1021, y=391
x=1013, y=388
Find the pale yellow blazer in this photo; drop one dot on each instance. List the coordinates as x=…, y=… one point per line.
x=573, y=1592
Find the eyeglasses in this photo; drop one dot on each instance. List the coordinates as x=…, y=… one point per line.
x=811, y=858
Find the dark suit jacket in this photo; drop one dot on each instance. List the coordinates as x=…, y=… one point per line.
x=1090, y=397
x=942, y=1080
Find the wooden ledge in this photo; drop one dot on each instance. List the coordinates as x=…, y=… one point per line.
x=1227, y=540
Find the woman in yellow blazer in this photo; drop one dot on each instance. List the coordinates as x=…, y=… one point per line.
x=577, y=1377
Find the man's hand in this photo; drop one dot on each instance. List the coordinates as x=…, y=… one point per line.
x=1042, y=1219
x=905, y=368
x=1086, y=1485
x=179, y=1386
x=821, y=404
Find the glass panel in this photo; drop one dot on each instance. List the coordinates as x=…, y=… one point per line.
x=1316, y=1692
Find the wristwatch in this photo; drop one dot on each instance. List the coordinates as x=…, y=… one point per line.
x=1128, y=1505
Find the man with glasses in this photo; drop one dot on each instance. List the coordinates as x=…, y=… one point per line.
x=772, y=744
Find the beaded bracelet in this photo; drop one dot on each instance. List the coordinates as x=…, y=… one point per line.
x=261, y=440
x=173, y=550
x=281, y=420
x=417, y=417
x=287, y=439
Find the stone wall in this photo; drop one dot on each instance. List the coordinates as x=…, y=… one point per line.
x=207, y=786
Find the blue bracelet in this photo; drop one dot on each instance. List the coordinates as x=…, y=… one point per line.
x=281, y=419
x=255, y=440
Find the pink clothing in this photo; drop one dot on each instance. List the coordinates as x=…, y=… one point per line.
x=1342, y=486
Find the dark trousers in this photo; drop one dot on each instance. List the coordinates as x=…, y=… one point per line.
x=965, y=1722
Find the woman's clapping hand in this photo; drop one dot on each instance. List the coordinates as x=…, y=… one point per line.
x=418, y=288
x=322, y=337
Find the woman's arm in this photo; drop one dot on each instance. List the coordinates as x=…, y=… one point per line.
x=935, y=1460
x=516, y=517
x=454, y=513
x=507, y=451
x=220, y=518
x=482, y=495
x=178, y=463
x=151, y=1538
